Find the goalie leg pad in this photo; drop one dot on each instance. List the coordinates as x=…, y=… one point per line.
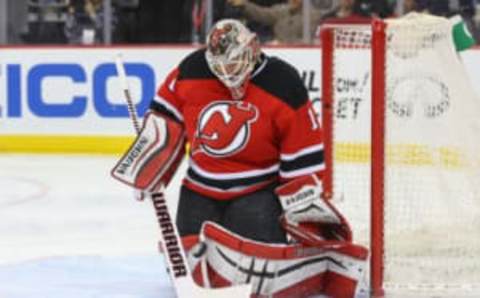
x=280, y=270
x=154, y=156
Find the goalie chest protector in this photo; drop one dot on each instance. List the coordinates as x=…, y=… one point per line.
x=238, y=146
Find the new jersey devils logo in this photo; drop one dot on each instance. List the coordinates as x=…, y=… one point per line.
x=223, y=127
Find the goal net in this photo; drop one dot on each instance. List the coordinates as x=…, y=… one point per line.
x=403, y=150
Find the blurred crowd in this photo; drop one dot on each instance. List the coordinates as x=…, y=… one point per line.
x=186, y=21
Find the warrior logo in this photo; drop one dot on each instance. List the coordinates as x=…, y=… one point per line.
x=223, y=127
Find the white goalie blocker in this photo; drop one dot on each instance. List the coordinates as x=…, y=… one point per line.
x=155, y=155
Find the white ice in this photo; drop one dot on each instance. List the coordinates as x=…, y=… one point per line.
x=68, y=230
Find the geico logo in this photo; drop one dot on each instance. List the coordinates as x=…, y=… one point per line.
x=62, y=101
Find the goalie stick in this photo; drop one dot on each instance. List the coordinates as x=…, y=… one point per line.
x=170, y=241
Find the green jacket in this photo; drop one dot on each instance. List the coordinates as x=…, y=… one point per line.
x=287, y=25
x=462, y=37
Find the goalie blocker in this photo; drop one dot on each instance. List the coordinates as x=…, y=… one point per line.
x=155, y=155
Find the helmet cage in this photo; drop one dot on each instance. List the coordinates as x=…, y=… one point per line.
x=232, y=51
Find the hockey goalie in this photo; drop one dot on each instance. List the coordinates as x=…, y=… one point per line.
x=251, y=208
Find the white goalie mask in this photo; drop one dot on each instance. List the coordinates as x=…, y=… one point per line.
x=232, y=51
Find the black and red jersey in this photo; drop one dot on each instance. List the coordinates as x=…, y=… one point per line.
x=238, y=146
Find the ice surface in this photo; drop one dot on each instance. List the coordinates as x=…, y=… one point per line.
x=68, y=230
x=86, y=277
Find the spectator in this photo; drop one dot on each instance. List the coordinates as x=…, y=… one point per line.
x=194, y=23
x=445, y=8
x=348, y=11
x=343, y=10
x=438, y=7
x=374, y=8
x=46, y=20
x=286, y=19
x=359, y=11
x=411, y=6
x=356, y=12
x=263, y=31
x=465, y=8
x=85, y=22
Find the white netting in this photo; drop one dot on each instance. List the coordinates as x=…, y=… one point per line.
x=432, y=180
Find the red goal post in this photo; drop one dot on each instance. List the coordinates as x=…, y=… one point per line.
x=403, y=153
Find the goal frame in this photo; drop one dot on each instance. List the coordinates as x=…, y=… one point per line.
x=377, y=127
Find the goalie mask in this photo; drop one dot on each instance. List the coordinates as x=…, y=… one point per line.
x=232, y=51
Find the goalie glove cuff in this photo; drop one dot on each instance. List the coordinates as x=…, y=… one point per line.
x=309, y=217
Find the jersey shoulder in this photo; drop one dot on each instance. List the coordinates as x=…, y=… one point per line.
x=195, y=66
x=282, y=80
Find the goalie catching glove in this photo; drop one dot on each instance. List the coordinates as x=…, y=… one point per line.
x=154, y=156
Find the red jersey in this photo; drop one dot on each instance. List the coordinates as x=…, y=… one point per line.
x=239, y=146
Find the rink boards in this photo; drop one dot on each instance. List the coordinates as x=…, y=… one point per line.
x=68, y=99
